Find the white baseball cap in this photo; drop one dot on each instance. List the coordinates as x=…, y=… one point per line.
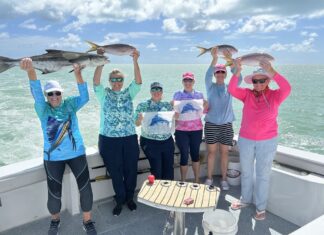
x=52, y=86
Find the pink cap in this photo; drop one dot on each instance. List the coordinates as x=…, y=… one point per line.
x=220, y=67
x=188, y=75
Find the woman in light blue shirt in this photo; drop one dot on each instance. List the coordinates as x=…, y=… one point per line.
x=218, y=127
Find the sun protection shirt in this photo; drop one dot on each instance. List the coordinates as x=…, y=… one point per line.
x=62, y=137
x=117, y=112
x=220, y=108
x=259, y=120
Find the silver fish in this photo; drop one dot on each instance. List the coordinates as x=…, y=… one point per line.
x=55, y=60
x=221, y=49
x=114, y=49
x=252, y=59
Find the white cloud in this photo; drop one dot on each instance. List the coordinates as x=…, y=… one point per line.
x=4, y=35
x=70, y=41
x=29, y=24
x=171, y=25
x=316, y=14
x=306, y=45
x=267, y=23
x=117, y=37
x=173, y=49
x=178, y=16
x=151, y=46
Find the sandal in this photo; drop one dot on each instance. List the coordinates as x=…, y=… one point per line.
x=237, y=205
x=260, y=215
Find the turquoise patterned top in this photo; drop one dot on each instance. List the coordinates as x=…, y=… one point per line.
x=116, y=115
x=62, y=137
x=151, y=106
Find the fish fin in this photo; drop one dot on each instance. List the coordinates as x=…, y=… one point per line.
x=69, y=55
x=45, y=71
x=71, y=71
x=229, y=61
x=93, y=46
x=202, y=50
x=53, y=51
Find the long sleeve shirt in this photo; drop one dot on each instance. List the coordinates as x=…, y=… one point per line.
x=62, y=137
x=259, y=120
x=220, y=108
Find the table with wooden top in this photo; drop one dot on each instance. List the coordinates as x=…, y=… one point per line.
x=171, y=195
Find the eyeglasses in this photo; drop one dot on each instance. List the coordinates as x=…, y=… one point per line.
x=57, y=93
x=261, y=81
x=156, y=89
x=220, y=71
x=119, y=79
x=188, y=80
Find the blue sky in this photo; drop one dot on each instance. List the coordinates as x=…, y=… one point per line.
x=166, y=31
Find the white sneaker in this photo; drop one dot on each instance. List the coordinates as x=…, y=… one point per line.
x=209, y=182
x=224, y=185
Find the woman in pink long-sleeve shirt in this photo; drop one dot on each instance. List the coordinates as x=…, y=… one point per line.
x=259, y=131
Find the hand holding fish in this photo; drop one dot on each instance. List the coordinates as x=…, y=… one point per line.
x=26, y=64
x=135, y=55
x=214, y=52
x=266, y=65
x=100, y=51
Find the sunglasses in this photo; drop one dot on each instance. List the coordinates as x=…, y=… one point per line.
x=220, y=71
x=188, y=80
x=261, y=81
x=57, y=93
x=120, y=79
x=156, y=89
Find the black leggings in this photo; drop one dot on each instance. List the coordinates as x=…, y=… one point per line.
x=55, y=171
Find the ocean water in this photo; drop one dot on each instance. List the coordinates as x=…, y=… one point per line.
x=301, y=116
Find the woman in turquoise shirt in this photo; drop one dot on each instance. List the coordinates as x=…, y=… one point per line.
x=118, y=144
x=63, y=144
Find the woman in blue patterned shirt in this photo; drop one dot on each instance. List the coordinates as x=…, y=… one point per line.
x=158, y=147
x=118, y=144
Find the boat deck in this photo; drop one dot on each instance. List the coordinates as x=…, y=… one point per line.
x=150, y=221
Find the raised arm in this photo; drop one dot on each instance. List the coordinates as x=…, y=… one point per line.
x=137, y=71
x=233, y=86
x=210, y=71
x=81, y=100
x=284, y=86
x=35, y=86
x=27, y=65
x=98, y=71
x=228, y=54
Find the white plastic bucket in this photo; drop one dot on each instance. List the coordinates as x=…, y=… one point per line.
x=234, y=173
x=219, y=222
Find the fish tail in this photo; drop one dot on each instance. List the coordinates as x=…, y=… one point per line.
x=93, y=47
x=202, y=50
x=5, y=64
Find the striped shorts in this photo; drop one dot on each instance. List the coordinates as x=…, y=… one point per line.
x=219, y=133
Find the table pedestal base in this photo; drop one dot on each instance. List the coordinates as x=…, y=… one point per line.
x=179, y=223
